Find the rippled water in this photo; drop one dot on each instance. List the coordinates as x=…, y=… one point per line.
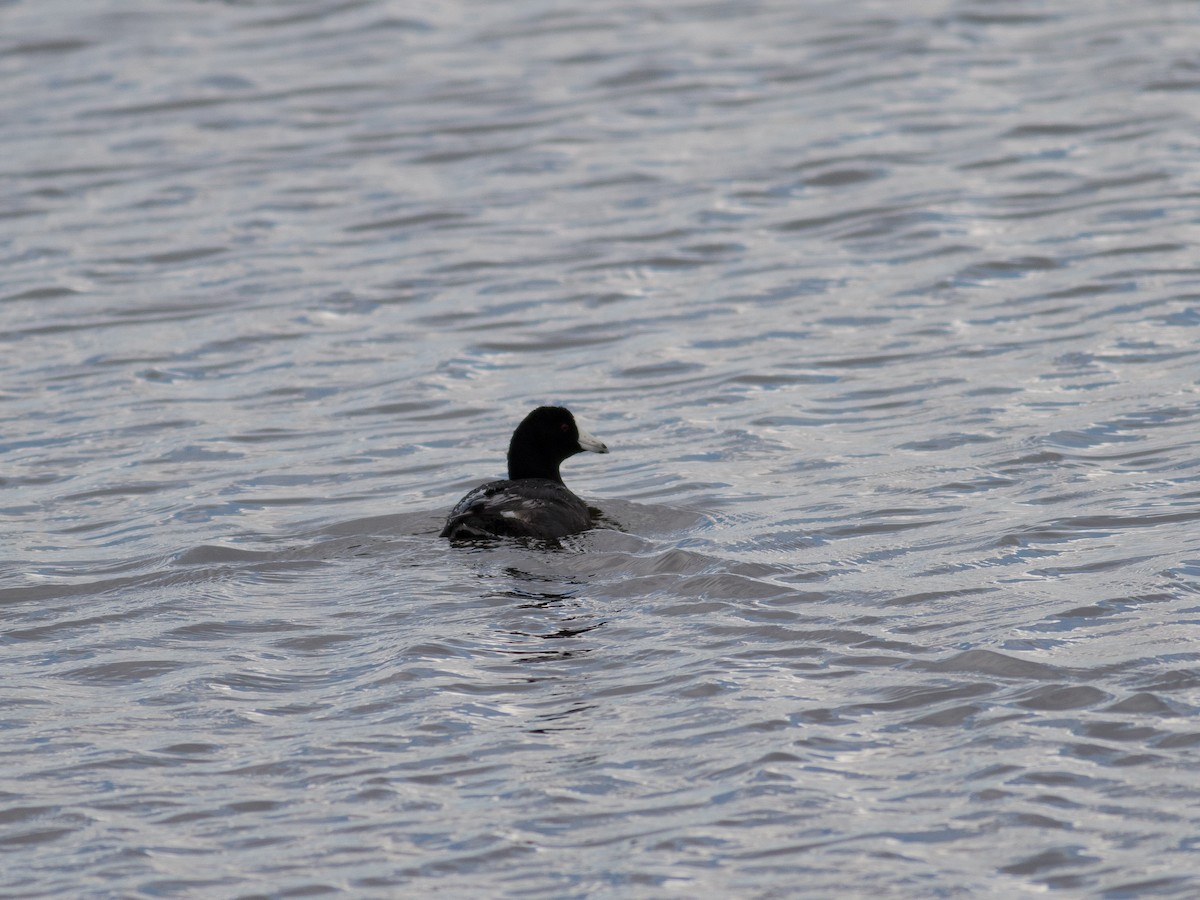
x=889, y=312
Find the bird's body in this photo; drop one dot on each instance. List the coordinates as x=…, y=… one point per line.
x=518, y=509
x=532, y=501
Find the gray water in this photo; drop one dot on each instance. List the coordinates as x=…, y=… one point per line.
x=888, y=311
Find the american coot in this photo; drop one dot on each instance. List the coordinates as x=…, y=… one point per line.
x=532, y=501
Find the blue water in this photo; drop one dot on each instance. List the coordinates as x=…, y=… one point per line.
x=887, y=312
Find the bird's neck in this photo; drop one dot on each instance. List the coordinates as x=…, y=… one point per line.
x=518, y=469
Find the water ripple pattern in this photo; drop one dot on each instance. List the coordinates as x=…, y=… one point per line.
x=888, y=311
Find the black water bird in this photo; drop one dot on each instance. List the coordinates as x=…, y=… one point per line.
x=532, y=501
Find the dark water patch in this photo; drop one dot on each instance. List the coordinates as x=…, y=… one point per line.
x=989, y=662
x=1063, y=697
x=126, y=672
x=45, y=293
x=1144, y=703
x=217, y=631
x=414, y=220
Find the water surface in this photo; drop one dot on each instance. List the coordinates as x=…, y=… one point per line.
x=887, y=311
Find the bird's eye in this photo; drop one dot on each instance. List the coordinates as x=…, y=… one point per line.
x=565, y=428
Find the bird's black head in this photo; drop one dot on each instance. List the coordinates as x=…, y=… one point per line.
x=546, y=437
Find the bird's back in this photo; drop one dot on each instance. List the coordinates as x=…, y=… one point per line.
x=526, y=507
